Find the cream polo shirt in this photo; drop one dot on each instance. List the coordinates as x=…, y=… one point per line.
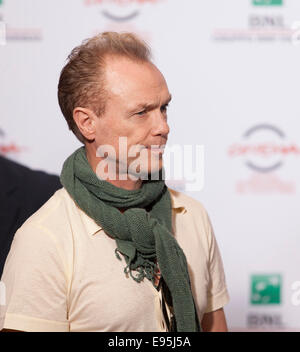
x=62, y=273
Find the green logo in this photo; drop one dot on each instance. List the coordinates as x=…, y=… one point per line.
x=267, y=2
x=266, y=289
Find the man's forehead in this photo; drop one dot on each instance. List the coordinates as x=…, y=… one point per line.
x=125, y=77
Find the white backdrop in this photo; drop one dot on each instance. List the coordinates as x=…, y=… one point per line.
x=233, y=69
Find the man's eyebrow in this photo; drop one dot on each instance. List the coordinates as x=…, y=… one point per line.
x=168, y=100
x=147, y=106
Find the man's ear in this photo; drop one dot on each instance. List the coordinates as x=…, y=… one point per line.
x=85, y=121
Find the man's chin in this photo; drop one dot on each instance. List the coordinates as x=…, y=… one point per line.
x=153, y=174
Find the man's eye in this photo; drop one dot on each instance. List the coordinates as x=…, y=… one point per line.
x=141, y=112
x=164, y=108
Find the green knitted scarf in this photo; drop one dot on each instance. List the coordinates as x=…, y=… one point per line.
x=142, y=237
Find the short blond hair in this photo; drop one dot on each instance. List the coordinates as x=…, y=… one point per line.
x=81, y=81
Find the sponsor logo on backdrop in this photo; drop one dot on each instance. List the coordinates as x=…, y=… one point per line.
x=14, y=33
x=266, y=289
x=9, y=147
x=121, y=15
x=269, y=26
x=267, y=2
x=264, y=151
x=120, y=10
x=259, y=22
x=265, y=321
x=262, y=143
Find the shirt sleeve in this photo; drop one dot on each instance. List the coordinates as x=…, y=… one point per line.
x=217, y=295
x=35, y=283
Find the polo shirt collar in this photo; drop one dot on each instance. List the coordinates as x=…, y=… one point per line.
x=176, y=201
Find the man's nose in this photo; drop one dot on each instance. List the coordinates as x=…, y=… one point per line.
x=160, y=124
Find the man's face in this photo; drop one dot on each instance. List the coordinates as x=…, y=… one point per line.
x=136, y=108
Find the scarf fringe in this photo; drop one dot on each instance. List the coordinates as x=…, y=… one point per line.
x=145, y=267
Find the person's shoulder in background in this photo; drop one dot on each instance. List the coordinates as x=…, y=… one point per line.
x=22, y=192
x=35, y=187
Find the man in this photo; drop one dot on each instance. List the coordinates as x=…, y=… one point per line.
x=113, y=250
x=22, y=192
